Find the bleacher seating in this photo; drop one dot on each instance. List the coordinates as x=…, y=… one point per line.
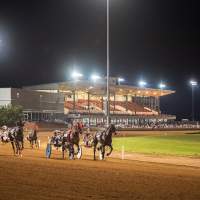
x=117, y=106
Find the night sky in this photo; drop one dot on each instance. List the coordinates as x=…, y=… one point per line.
x=42, y=40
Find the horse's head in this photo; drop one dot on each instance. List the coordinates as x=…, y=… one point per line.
x=12, y=133
x=113, y=129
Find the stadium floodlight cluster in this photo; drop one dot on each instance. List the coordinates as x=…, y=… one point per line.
x=95, y=77
x=76, y=76
x=121, y=79
x=162, y=86
x=142, y=83
x=193, y=83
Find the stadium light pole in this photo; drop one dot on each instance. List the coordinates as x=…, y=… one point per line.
x=108, y=66
x=193, y=85
x=162, y=86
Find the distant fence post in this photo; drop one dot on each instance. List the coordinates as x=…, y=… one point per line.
x=39, y=143
x=122, y=156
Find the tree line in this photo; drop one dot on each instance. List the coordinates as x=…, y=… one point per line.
x=10, y=114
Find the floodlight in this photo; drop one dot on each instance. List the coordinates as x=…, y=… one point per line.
x=193, y=83
x=76, y=75
x=162, y=86
x=121, y=79
x=95, y=77
x=142, y=83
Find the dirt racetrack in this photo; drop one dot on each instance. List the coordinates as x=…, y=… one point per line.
x=35, y=177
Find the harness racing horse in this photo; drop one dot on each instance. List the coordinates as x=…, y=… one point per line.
x=16, y=138
x=104, y=139
x=12, y=136
x=33, y=139
x=71, y=142
x=68, y=141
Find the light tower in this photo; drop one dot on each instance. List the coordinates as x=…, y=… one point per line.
x=193, y=84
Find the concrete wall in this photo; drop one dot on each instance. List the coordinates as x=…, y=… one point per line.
x=38, y=101
x=5, y=96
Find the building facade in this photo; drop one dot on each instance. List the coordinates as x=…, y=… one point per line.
x=85, y=100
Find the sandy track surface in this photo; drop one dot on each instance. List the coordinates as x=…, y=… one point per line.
x=33, y=177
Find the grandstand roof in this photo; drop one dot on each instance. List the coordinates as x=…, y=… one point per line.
x=99, y=88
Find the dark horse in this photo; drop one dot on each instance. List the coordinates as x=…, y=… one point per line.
x=71, y=142
x=16, y=138
x=104, y=139
x=33, y=139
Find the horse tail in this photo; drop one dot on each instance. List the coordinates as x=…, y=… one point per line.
x=111, y=149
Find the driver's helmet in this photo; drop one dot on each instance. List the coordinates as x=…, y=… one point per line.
x=4, y=128
x=55, y=133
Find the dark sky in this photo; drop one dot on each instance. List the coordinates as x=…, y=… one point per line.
x=41, y=41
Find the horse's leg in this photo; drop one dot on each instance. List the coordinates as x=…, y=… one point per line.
x=13, y=147
x=71, y=152
x=63, y=151
x=21, y=147
x=78, y=148
x=17, y=147
x=22, y=143
x=95, y=146
x=111, y=149
x=103, y=151
x=36, y=143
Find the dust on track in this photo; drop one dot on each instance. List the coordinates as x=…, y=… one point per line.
x=34, y=177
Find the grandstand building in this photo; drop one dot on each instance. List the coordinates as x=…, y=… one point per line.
x=85, y=100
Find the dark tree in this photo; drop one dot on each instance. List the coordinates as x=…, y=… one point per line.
x=9, y=115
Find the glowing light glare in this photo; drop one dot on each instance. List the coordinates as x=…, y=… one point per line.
x=193, y=83
x=142, y=83
x=162, y=86
x=121, y=79
x=76, y=75
x=95, y=77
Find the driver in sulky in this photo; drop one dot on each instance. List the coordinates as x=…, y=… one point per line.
x=56, y=138
x=4, y=133
x=68, y=133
